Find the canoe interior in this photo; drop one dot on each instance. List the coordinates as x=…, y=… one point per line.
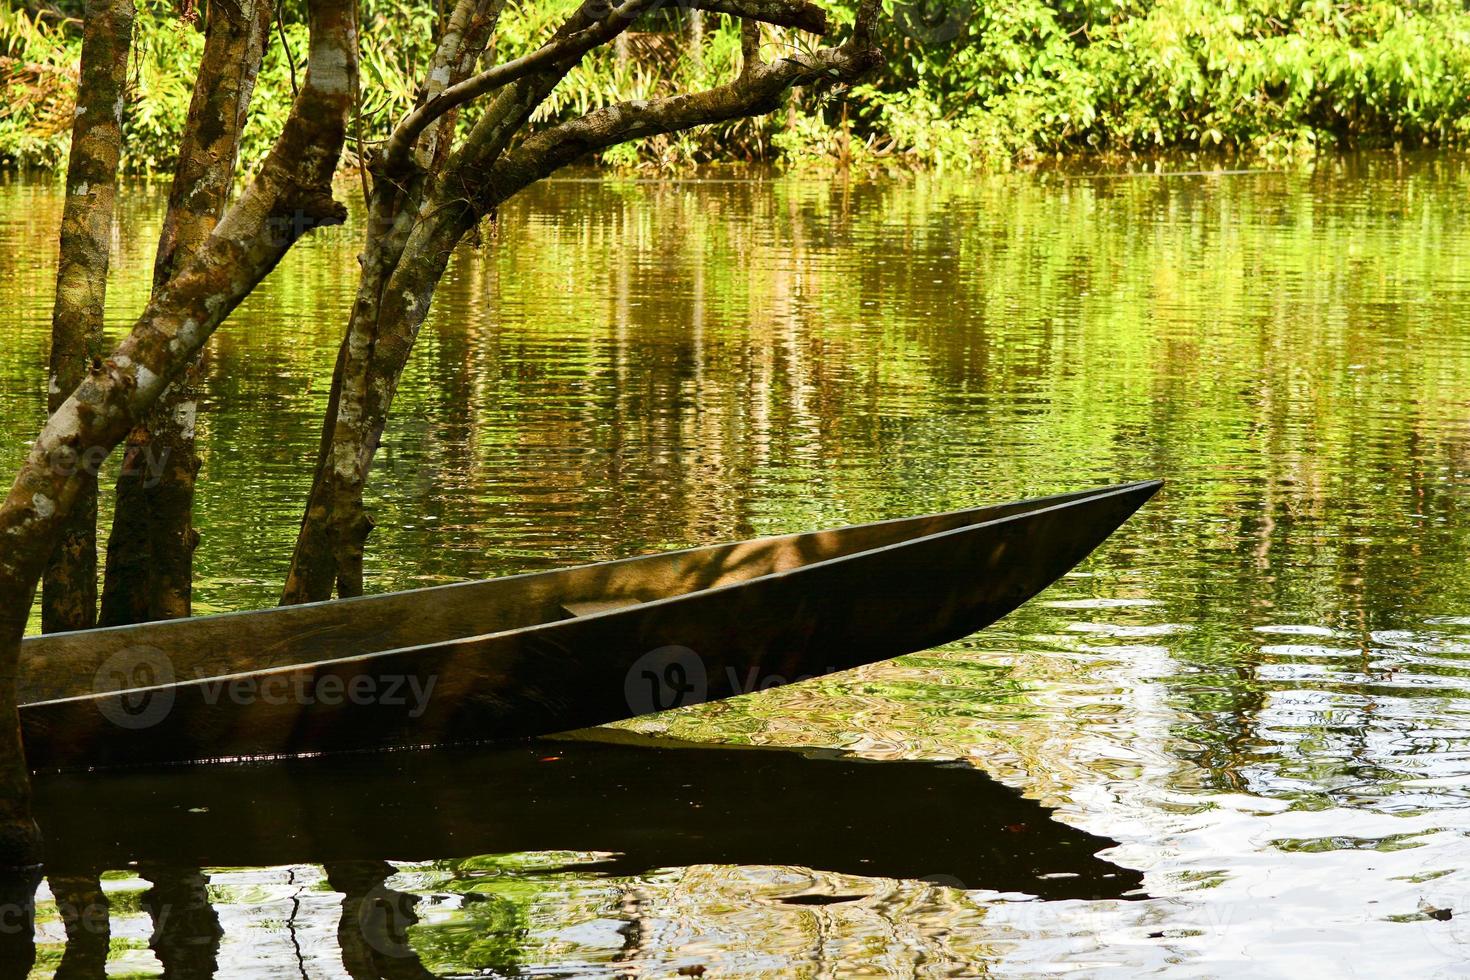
x=70, y=665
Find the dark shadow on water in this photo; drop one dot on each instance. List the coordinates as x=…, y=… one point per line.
x=17, y=922
x=650, y=804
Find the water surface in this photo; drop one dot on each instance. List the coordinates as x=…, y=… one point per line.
x=1234, y=742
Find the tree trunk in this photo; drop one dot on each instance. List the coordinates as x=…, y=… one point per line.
x=291, y=194
x=372, y=931
x=68, y=552
x=696, y=37
x=335, y=525
x=335, y=528
x=402, y=268
x=150, y=553
x=419, y=216
x=69, y=595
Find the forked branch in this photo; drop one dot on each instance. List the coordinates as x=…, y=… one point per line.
x=571, y=46
x=758, y=90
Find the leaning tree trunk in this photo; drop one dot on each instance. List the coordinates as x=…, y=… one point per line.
x=150, y=553
x=291, y=194
x=69, y=595
x=333, y=532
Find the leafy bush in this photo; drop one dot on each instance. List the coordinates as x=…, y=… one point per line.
x=986, y=85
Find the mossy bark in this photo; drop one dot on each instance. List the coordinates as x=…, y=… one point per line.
x=150, y=553
x=69, y=594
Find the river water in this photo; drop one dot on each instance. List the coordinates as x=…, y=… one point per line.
x=1236, y=741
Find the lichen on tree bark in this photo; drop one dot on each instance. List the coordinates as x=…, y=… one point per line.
x=69, y=594
x=150, y=552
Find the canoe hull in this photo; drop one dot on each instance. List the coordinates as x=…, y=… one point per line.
x=779, y=628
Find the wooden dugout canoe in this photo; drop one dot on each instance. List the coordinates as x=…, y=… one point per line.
x=550, y=651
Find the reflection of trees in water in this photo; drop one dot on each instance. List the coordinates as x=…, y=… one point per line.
x=1251, y=337
x=85, y=915
x=373, y=930
x=834, y=922
x=17, y=923
x=186, y=930
x=616, y=849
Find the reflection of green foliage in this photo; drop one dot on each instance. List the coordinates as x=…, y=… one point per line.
x=1313, y=845
x=501, y=920
x=487, y=934
x=49, y=956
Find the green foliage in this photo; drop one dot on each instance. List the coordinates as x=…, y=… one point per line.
x=985, y=86
x=38, y=65
x=965, y=84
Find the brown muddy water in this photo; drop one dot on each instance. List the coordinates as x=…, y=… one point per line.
x=1235, y=742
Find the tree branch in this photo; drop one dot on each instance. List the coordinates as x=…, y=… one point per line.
x=396, y=151
x=778, y=13
x=464, y=39
x=750, y=45
x=758, y=90
x=783, y=13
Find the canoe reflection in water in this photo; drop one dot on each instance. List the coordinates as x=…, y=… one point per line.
x=636, y=805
